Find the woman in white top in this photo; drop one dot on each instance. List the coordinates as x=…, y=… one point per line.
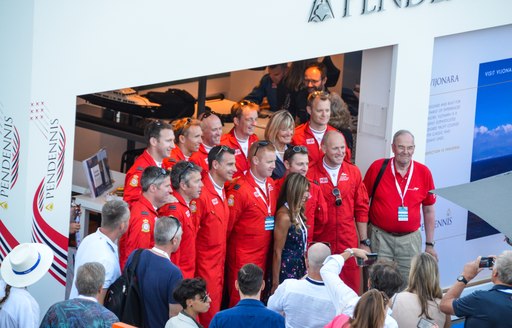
x=192, y=295
x=420, y=301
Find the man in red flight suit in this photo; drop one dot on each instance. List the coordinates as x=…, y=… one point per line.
x=296, y=161
x=346, y=197
x=212, y=131
x=241, y=136
x=156, y=186
x=252, y=202
x=310, y=134
x=188, y=138
x=186, y=185
x=160, y=142
x=212, y=215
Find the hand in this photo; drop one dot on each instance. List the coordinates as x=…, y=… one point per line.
x=366, y=248
x=361, y=253
x=431, y=250
x=74, y=227
x=471, y=269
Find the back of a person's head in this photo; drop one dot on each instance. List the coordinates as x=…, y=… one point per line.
x=317, y=253
x=340, y=116
x=90, y=278
x=384, y=276
x=250, y=279
x=370, y=311
x=424, y=280
x=166, y=229
x=113, y=213
x=503, y=267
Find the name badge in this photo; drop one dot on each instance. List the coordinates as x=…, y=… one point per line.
x=269, y=223
x=237, y=152
x=310, y=141
x=403, y=214
x=215, y=201
x=324, y=180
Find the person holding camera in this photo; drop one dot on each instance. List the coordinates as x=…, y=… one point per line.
x=483, y=308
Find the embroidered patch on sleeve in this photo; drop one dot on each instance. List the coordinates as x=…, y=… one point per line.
x=145, y=225
x=134, y=182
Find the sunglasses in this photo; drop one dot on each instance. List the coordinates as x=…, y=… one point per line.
x=245, y=103
x=223, y=148
x=299, y=149
x=259, y=144
x=337, y=194
x=178, y=223
x=205, y=298
x=160, y=173
x=188, y=167
x=206, y=114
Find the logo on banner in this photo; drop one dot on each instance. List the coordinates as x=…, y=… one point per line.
x=320, y=11
x=10, y=158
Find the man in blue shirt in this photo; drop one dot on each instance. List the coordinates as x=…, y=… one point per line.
x=250, y=311
x=490, y=308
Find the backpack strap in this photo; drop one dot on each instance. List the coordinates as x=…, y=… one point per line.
x=132, y=268
x=377, y=180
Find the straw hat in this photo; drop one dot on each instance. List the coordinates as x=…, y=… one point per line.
x=26, y=264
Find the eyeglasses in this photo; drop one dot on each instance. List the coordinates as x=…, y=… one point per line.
x=188, y=167
x=178, y=223
x=308, y=81
x=159, y=173
x=337, y=194
x=259, y=144
x=326, y=243
x=205, y=297
x=403, y=148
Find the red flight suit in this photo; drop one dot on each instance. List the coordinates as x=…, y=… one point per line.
x=132, y=188
x=175, y=156
x=200, y=158
x=242, y=164
x=315, y=209
x=185, y=256
x=340, y=229
x=303, y=136
x=212, y=216
x=140, y=229
x=248, y=241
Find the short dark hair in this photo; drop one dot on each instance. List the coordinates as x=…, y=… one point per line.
x=250, y=279
x=217, y=154
x=152, y=175
x=181, y=172
x=188, y=289
x=293, y=150
x=384, y=276
x=282, y=65
x=113, y=212
x=319, y=66
x=238, y=108
x=153, y=128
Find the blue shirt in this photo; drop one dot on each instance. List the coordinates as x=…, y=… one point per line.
x=486, y=308
x=158, y=278
x=248, y=313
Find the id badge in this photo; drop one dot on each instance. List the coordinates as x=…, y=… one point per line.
x=269, y=223
x=403, y=213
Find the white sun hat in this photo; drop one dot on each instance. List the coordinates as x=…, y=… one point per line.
x=26, y=264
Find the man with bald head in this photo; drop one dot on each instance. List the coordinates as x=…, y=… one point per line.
x=399, y=198
x=347, y=203
x=292, y=294
x=212, y=131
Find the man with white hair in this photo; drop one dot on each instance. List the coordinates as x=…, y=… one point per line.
x=292, y=294
x=483, y=308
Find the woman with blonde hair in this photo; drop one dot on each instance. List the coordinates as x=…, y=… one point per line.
x=290, y=231
x=279, y=131
x=422, y=296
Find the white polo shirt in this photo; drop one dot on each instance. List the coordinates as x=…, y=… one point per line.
x=97, y=247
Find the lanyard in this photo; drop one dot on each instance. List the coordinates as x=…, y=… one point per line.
x=260, y=194
x=161, y=252
x=304, y=234
x=402, y=196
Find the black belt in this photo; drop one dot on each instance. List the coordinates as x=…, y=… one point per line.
x=395, y=234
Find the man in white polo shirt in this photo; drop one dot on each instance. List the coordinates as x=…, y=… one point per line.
x=101, y=247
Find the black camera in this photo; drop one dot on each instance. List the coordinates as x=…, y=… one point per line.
x=372, y=258
x=486, y=262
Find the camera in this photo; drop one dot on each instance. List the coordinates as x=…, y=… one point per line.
x=372, y=258
x=486, y=262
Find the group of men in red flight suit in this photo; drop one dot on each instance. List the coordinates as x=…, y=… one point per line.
x=227, y=227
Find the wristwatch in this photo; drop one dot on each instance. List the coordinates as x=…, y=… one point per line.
x=432, y=243
x=349, y=250
x=462, y=279
x=366, y=242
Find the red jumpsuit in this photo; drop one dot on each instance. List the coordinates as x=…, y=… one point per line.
x=175, y=156
x=340, y=229
x=185, y=256
x=140, y=229
x=303, y=136
x=315, y=211
x=212, y=216
x=242, y=164
x=248, y=239
x=200, y=158
x=132, y=188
